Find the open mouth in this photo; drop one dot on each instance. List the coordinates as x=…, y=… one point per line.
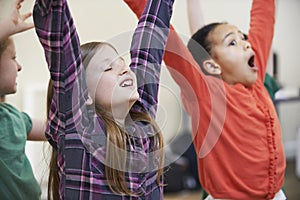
x=126, y=83
x=251, y=61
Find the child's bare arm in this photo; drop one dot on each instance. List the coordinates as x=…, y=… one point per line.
x=195, y=15
x=13, y=21
x=37, y=132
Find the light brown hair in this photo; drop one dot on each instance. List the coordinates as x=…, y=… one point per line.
x=53, y=179
x=116, y=136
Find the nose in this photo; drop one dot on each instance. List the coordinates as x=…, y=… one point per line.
x=247, y=45
x=19, y=67
x=124, y=69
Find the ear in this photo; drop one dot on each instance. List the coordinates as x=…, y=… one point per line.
x=211, y=67
x=89, y=101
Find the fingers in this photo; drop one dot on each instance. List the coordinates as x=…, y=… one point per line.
x=26, y=16
x=18, y=4
x=24, y=26
x=21, y=24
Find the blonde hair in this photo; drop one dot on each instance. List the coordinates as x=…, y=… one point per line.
x=116, y=136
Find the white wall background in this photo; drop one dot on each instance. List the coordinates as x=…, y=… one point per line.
x=106, y=19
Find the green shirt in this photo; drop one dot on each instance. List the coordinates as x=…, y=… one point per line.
x=271, y=85
x=16, y=176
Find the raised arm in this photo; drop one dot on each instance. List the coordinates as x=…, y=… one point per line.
x=262, y=21
x=11, y=21
x=147, y=50
x=57, y=34
x=195, y=16
x=181, y=64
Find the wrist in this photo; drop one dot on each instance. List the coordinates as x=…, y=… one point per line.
x=7, y=29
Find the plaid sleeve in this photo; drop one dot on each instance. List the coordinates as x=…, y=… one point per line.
x=71, y=124
x=57, y=34
x=72, y=129
x=147, y=49
x=180, y=63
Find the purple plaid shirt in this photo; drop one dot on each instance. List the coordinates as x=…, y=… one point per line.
x=74, y=129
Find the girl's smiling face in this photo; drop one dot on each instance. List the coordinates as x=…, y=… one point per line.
x=110, y=81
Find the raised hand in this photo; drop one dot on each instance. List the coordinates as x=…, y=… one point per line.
x=14, y=22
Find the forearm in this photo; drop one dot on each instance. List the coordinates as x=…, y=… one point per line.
x=262, y=21
x=195, y=15
x=183, y=68
x=4, y=32
x=147, y=49
x=48, y=19
x=181, y=64
x=151, y=34
x=57, y=34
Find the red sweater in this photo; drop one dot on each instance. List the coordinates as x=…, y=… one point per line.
x=237, y=134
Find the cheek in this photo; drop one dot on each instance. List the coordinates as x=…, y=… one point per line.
x=105, y=91
x=227, y=61
x=95, y=84
x=8, y=71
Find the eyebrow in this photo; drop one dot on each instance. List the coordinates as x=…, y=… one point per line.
x=227, y=35
x=118, y=58
x=103, y=65
x=231, y=33
x=109, y=61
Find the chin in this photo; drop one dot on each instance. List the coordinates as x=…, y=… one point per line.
x=132, y=101
x=250, y=82
x=12, y=92
x=134, y=96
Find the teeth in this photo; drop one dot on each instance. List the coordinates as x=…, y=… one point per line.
x=126, y=83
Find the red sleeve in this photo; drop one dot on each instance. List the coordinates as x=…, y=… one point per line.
x=180, y=63
x=261, y=32
x=198, y=91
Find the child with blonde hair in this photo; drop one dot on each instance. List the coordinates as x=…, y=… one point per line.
x=17, y=180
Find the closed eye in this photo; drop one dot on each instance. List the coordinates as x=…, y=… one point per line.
x=108, y=69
